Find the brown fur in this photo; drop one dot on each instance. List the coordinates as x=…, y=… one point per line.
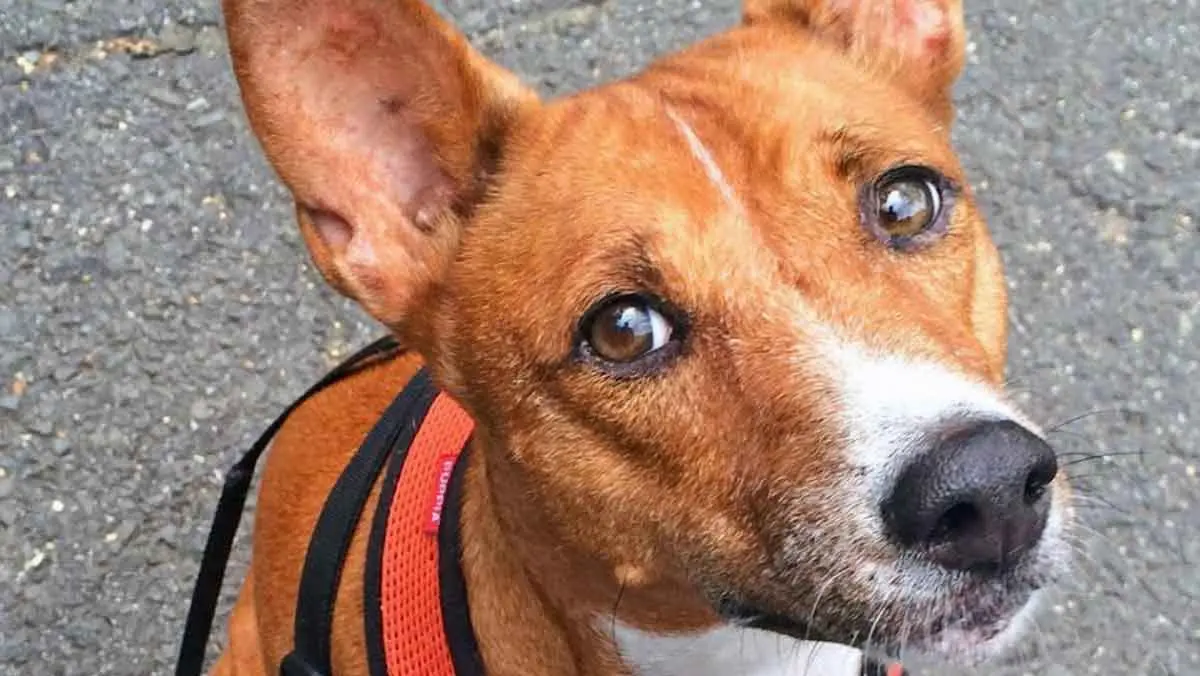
x=490, y=221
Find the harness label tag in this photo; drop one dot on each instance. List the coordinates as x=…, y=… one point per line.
x=445, y=467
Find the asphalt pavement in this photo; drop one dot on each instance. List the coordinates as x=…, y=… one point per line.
x=157, y=308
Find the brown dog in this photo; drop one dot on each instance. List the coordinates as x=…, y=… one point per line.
x=732, y=332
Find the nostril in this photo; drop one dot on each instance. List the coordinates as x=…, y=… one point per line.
x=1040, y=478
x=976, y=500
x=960, y=519
x=1036, y=485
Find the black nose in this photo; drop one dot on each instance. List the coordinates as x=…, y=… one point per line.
x=977, y=500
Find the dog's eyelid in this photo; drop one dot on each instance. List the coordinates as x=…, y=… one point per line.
x=859, y=157
x=948, y=173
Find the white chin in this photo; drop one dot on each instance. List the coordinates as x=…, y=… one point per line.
x=977, y=645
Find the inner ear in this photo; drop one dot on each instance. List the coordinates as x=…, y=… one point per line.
x=384, y=124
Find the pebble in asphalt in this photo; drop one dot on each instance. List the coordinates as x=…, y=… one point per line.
x=157, y=309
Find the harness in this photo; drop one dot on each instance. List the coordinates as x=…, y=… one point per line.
x=417, y=618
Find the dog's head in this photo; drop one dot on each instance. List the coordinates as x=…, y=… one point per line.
x=733, y=328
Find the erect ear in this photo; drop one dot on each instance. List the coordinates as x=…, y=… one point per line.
x=383, y=123
x=920, y=43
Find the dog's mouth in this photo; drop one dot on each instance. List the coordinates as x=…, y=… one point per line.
x=962, y=628
x=976, y=623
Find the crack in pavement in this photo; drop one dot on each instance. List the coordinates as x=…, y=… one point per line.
x=176, y=39
x=181, y=39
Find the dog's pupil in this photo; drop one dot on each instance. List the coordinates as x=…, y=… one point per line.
x=623, y=332
x=904, y=208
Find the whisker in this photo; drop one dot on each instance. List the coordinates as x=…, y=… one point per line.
x=1039, y=642
x=616, y=604
x=1108, y=576
x=1087, y=558
x=1144, y=583
x=928, y=620
x=1097, y=474
x=883, y=607
x=1077, y=457
x=1099, y=535
x=1073, y=434
x=1013, y=383
x=812, y=615
x=904, y=631
x=1081, y=499
x=1076, y=418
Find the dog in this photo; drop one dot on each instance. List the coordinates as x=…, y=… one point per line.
x=730, y=335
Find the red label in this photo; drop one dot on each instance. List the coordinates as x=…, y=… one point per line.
x=445, y=466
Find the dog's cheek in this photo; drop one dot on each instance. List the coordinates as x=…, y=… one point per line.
x=476, y=365
x=817, y=530
x=646, y=527
x=989, y=302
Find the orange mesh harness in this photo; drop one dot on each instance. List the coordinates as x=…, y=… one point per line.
x=415, y=639
x=417, y=622
x=417, y=619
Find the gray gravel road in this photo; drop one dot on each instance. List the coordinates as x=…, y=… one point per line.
x=157, y=309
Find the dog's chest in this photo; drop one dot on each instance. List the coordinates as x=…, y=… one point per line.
x=415, y=604
x=733, y=650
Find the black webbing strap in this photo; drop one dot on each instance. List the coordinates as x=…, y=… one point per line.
x=311, y=650
x=207, y=590
x=456, y=612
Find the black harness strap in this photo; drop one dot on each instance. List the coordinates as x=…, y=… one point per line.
x=373, y=569
x=456, y=611
x=390, y=437
x=228, y=516
x=311, y=651
x=456, y=614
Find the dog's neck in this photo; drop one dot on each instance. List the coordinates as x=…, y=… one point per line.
x=514, y=631
x=537, y=613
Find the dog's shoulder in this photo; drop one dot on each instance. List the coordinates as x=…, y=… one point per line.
x=308, y=455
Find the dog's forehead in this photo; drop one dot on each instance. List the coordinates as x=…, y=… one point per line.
x=715, y=179
x=700, y=142
x=724, y=126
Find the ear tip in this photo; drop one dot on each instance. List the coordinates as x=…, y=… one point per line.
x=933, y=18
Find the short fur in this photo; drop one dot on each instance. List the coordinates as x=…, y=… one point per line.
x=479, y=223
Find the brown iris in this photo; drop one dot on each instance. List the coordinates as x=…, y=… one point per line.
x=908, y=202
x=624, y=331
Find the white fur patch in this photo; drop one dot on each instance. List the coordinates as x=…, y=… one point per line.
x=889, y=404
x=733, y=651
x=891, y=407
x=969, y=650
x=705, y=158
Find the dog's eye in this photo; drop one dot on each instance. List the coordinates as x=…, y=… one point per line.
x=905, y=204
x=627, y=329
x=630, y=335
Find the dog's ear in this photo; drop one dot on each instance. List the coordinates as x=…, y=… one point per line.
x=383, y=123
x=920, y=43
